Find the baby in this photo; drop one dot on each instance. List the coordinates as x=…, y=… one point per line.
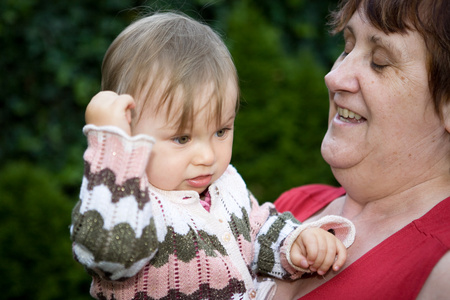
x=162, y=213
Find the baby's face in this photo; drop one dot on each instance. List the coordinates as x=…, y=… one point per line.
x=196, y=158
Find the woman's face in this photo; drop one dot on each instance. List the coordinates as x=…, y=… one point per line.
x=382, y=122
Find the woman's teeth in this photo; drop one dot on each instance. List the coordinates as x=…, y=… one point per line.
x=346, y=114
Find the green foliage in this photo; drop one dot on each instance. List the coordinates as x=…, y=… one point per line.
x=51, y=63
x=35, y=256
x=284, y=112
x=51, y=59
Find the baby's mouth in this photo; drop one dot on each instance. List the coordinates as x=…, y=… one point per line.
x=200, y=181
x=349, y=116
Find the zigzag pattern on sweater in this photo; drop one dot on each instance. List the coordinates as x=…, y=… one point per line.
x=130, y=187
x=240, y=226
x=122, y=240
x=204, y=292
x=125, y=248
x=153, y=244
x=191, y=243
x=276, y=226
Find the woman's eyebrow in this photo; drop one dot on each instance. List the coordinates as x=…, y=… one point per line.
x=379, y=41
x=376, y=40
x=349, y=28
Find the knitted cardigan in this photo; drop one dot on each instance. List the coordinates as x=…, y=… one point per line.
x=140, y=242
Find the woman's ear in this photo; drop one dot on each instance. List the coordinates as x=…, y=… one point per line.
x=446, y=115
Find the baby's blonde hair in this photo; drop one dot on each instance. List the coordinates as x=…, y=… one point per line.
x=170, y=51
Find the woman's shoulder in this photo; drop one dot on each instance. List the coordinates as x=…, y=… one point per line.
x=436, y=286
x=304, y=201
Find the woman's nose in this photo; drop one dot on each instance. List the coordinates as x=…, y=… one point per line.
x=343, y=76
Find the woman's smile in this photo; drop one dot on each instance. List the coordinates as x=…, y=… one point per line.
x=349, y=116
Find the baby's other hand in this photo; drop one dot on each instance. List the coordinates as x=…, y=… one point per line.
x=109, y=108
x=318, y=250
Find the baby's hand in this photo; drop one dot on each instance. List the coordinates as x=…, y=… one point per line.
x=317, y=250
x=108, y=108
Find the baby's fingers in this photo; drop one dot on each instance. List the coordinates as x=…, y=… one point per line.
x=297, y=257
x=319, y=255
x=321, y=250
x=109, y=108
x=314, y=243
x=341, y=256
x=329, y=257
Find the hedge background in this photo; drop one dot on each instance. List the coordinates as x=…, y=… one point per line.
x=51, y=53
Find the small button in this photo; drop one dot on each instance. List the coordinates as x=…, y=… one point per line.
x=226, y=237
x=252, y=293
x=220, y=220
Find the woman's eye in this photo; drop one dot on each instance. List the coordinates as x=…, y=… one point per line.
x=347, y=48
x=377, y=67
x=379, y=61
x=182, y=139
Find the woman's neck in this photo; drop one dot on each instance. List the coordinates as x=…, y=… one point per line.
x=418, y=198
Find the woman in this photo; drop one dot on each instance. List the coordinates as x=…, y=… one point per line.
x=388, y=145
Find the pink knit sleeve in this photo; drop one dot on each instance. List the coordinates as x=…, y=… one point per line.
x=113, y=230
x=112, y=149
x=343, y=229
x=276, y=232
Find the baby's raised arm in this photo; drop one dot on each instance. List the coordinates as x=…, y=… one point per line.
x=317, y=250
x=109, y=108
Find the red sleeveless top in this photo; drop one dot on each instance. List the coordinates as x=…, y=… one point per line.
x=397, y=268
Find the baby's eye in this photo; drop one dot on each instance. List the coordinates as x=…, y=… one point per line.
x=222, y=132
x=182, y=139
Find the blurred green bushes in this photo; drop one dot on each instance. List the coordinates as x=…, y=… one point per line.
x=51, y=53
x=35, y=252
